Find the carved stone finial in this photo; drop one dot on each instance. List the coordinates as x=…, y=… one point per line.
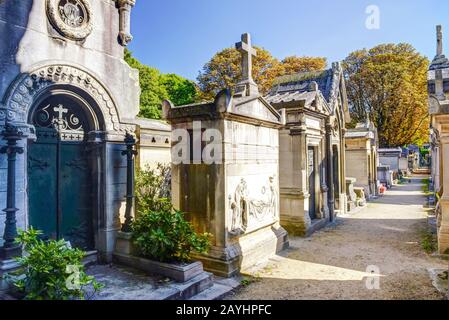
x=313, y=86
x=439, y=40
x=246, y=86
x=124, y=7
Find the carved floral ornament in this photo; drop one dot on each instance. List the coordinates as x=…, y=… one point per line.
x=28, y=87
x=72, y=18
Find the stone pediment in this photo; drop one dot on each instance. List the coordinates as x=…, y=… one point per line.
x=255, y=107
x=248, y=109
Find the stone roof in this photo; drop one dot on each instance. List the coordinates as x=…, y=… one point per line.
x=308, y=87
x=152, y=124
x=365, y=129
x=327, y=81
x=439, y=62
x=291, y=96
x=385, y=151
x=299, y=87
x=359, y=134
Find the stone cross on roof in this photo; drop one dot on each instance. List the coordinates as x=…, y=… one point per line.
x=439, y=41
x=246, y=86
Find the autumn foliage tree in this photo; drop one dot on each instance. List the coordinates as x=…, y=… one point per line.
x=389, y=82
x=224, y=70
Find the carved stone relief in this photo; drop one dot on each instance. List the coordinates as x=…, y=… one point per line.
x=246, y=211
x=29, y=86
x=71, y=18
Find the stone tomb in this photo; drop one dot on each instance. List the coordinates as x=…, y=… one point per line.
x=438, y=86
x=385, y=175
x=390, y=157
x=236, y=197
x=312, y=176
x=361, y=157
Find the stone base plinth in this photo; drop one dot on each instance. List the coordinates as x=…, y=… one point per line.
x=124, y=245
x=443, y=239
x=351, y=206
x=245, y=252
x=176, y=271
x=295, y=226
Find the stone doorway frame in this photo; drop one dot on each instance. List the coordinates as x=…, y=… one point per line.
x=94, y=145
x=15, y=109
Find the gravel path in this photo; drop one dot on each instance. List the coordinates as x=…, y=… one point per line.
x=332, y=264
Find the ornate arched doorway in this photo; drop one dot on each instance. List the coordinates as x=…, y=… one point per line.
x=60, y=184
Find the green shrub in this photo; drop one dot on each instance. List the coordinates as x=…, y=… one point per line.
x=151, y=186
x=164, y=235
x=51, y=268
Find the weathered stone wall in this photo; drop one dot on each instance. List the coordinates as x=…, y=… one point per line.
x=154, y=142
x=392, y=161
x=31, y=42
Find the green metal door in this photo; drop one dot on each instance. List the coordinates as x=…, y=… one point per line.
x=59, y=179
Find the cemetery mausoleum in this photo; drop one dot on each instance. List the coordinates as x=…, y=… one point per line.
x=361, y=157
x=438, y=86
x=229, y=184
x=311, y=147
x=68, y=99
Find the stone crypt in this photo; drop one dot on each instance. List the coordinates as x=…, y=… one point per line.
x=438, y=86
x=312, y=148
x=236, y=197
x=68, y=99
x=362, y=158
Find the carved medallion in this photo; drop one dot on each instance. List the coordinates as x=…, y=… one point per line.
x=72, y=18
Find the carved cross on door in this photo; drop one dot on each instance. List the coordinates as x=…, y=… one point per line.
x=60, y=110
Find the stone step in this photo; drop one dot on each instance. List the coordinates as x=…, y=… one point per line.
x=216, y=292
x=191, y=288
x=220, y=288
x=124, y=283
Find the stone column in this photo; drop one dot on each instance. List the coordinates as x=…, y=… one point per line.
x=130, y=153
x=299, y=144
x=329, y=171
x=124, y=7
x=11, y=249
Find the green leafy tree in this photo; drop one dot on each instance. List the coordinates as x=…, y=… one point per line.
x=156, y=87
x=389, y=82
x=153, y=92
x=180, y=91
x=224, y=70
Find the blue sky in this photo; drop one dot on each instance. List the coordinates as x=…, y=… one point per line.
x=180, y=36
